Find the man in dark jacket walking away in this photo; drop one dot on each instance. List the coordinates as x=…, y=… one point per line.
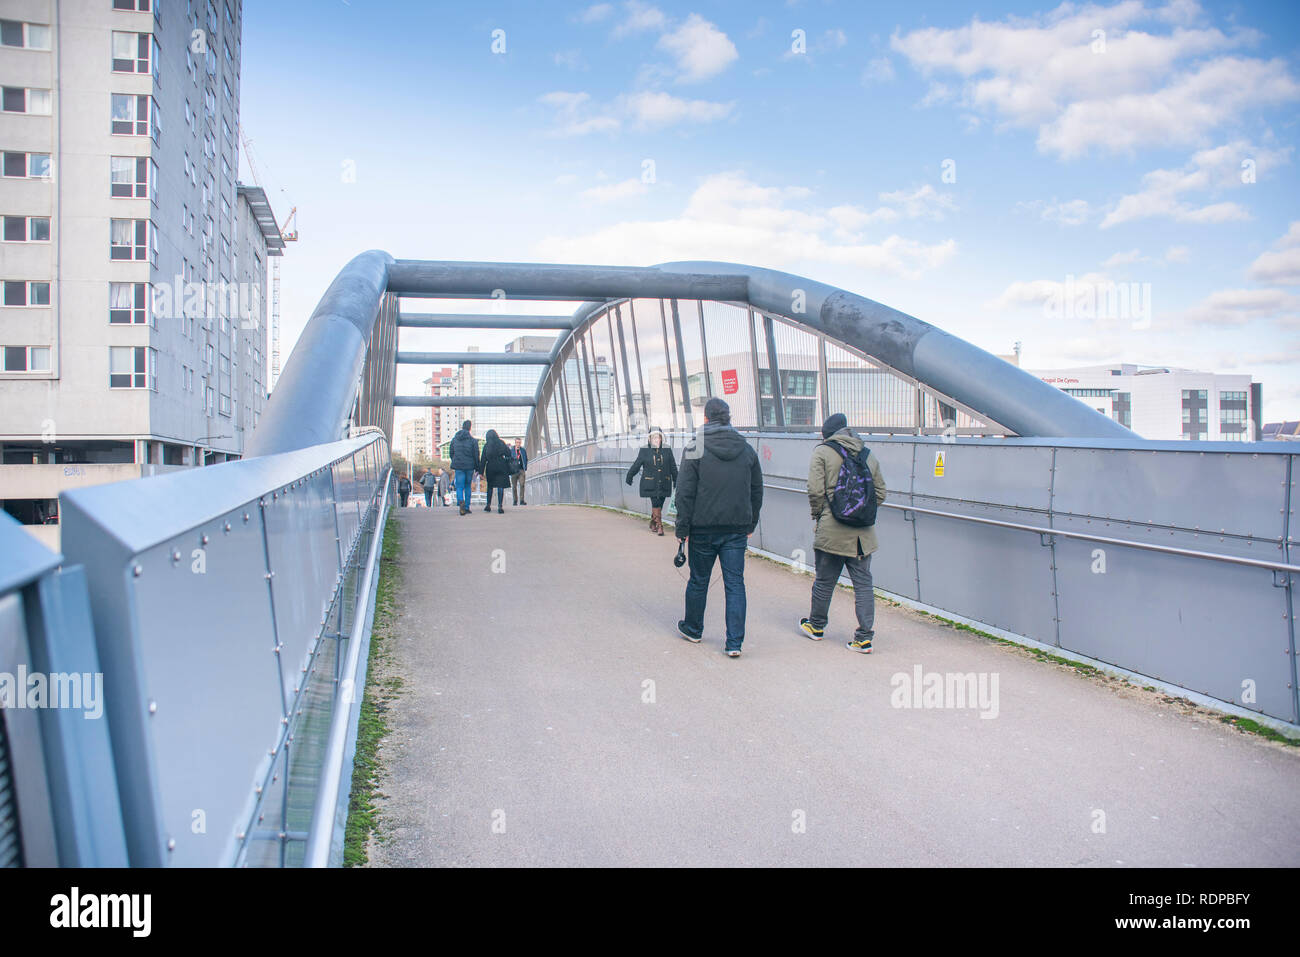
x=464, y=462
x=838, y=545
x=517, y=477
x=404, y=488
x=719, y=494
x=428, y=481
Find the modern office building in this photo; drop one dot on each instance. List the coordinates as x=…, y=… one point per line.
x=1162, y=402
x=472, y=379
x=133, y=321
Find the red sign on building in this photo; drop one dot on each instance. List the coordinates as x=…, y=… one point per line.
x=730, y=383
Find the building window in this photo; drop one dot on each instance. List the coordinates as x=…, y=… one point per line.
x=27, y=359
x=128, y=303
x=132, y=115
x=27, y=229
x=26, y=293
x=16, y=99
x=133, y=52
x=142, y=5
x=132, y=367
x=133, y=177
x=27, y=165
x=31, y=36
x=129, y=239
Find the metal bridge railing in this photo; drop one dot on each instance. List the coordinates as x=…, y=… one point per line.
x=231, y=611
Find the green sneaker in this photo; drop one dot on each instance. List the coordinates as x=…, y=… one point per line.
x=811, y=630
x=862, y=644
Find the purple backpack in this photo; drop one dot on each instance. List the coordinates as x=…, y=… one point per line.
x=853, y=500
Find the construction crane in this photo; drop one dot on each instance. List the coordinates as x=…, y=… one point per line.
x=289, y=237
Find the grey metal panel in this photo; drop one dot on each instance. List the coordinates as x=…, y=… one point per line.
x=218, y=655
x=993, y=575
x=84, y=805
x=1014, y=477
x=304, y=559
x=22, y=558
x=1240, y=492
x=1205, y=626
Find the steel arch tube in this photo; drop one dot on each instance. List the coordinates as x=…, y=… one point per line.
x=316, y=391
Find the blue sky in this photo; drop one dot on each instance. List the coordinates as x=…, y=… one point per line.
x=959, y=167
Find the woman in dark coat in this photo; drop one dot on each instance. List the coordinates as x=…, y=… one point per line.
x=658, y=471
x=496, y=469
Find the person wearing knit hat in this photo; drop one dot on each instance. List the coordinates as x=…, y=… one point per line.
x=719, y=494
x=840, y=545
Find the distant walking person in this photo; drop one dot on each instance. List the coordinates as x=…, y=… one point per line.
x=658, y=471
x=464, y=462
x=521, y=468
x=404, y=488
x=496, y=469
x=443, y=487
x=428, y=482
x=719, y=494
x=845, y=486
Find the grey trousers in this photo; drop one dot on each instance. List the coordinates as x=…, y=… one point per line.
x=517, y=487
x=864, y=597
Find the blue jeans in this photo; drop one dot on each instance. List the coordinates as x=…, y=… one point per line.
x=729, y=550
x=462, y=486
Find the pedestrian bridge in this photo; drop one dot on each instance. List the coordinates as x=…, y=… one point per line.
x=228, y=611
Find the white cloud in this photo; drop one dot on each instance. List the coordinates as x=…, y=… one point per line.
x=732, y=218
x=1031, y=292
x=1127, y=88
x=1236, y=307
x=1123, y=259
x=1209, y=170
x=925, y=202
x=700, y=49
x=577, y=115
x=595, y=13
x=1280, y=265
x=568, y=58
x=640, y=17
x=1073, y=212
x=878, y=70
x=1177, y=254
x=657, y=110
x=615, y=191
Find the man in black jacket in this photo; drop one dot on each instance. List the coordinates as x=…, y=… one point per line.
x=719, y=494
x=464, y=462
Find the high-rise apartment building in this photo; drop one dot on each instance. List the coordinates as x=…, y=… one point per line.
x=133, y=319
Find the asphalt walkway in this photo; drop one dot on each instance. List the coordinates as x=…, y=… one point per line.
x=551, y=716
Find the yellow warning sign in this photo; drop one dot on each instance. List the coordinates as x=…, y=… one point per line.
x=938, y=465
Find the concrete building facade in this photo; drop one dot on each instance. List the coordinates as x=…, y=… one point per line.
x=133, y=319
x=1162, y=402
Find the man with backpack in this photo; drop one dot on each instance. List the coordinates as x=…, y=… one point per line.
x=845, y=487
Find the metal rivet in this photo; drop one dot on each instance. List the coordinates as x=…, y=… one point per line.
x=203, y=540
x=226, y=527
x=245, y=516
x=137, y=571
x=176, y=556
x=171, y=844
x=153, y=707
